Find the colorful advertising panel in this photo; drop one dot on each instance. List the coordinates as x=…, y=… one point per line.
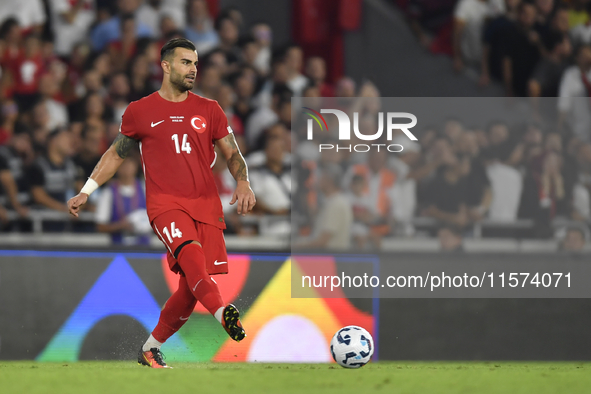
x=69, y=306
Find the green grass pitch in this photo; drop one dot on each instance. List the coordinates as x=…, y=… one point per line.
x=106, y=377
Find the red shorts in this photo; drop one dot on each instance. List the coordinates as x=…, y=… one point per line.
x=176, y=227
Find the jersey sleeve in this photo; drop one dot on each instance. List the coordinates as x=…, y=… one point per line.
x=220, y=123
x=128, y=125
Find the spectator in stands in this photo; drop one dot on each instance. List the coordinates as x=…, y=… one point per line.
x=30, y=14
x=345, y=87
x=10, y=38
x=14, y=159
x=108, y=31
x=582, y=188
x=332, y=228
x=379, y=180
x=92, y=147
x=235, y=15
x=226, y=98
x=91, y=84
x=210, y=80
x=559, y=21
x=249, y=50
x=578, y=13
x=575, y=88
x=95, y=109
x=122, y=50
x=545, y=10
x=8, y=120
x=121, y=207
x=409, y=169
x=316, y=71
x=581, y=34
x=152, y=12
x=48, y=90
x=546, y=190
x=469, y=18
x=545, y=80
x=431, y=21
x=227, y=31
x=450, y=239
x=25, y=73
x=453, y=130
x=522, y=51
x=478, y=193
x=503, y=145
x=118, y=98
x=574, y=240
x=71, y=21
x=271, y=181
x=40, y=127
x=263, y=36
x=501, y=157
x=139, y=78
x=278, y=131
x=53, y=175
x=362, y=211
x=447, y=200
x=265, y=116
x=200, y=26
x=168, y=28
x=244, y=83
x=293, y=59
x=493, y=43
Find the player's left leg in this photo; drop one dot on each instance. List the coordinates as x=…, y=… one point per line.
x=177, y=227
x=174, y=314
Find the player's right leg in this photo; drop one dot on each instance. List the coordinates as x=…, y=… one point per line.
x=174, y=315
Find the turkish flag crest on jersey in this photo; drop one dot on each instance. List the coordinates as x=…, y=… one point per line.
x=198, y=123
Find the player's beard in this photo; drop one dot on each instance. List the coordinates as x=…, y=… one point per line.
x=180, y=83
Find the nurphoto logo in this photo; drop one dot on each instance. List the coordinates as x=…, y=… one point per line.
x=345, y=130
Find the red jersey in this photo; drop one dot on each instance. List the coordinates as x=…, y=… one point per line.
x=26, y=74
x=176, y=142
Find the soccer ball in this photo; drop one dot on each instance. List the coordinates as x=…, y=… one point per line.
x=352, y=347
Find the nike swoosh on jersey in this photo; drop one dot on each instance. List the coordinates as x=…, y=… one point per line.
x=219, y=262
x=156, y=124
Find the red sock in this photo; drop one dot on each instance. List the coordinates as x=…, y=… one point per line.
x=192, y=262
x=176, y=312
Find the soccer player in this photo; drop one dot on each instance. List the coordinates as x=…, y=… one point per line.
x=176, y=131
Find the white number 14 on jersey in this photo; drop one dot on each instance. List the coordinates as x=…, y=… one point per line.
x=185, y=146
x=176, y=233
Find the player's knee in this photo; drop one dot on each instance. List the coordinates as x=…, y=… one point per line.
x=181, y=246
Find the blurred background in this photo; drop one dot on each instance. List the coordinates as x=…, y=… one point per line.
x=69, y=68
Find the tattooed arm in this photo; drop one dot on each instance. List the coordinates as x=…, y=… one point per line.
x=237, y=166
x=112, y=159
x=105, y=168
x=231, y=152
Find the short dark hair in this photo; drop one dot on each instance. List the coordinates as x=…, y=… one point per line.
x=552, y=40
x=220, y=20
x=126, y=17
x=7, y=25
x=169, y=47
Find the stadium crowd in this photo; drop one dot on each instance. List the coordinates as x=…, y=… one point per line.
x=532, y=47
x=69, y=71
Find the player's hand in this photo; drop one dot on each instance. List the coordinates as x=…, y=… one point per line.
x=75, y=202
x=244, y=196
